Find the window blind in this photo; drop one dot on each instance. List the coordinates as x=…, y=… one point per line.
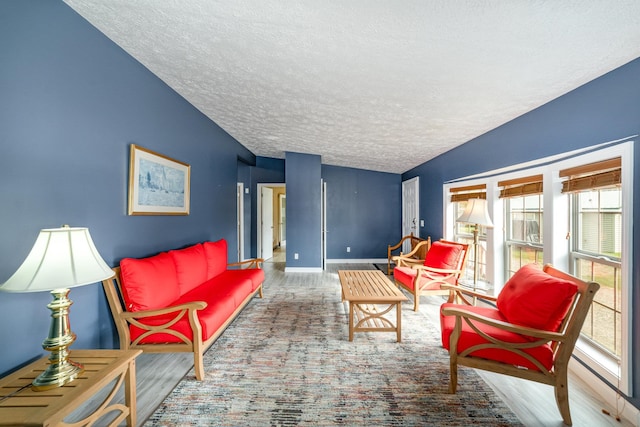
x=462, y=194
x=607, y=173
x=521, y=186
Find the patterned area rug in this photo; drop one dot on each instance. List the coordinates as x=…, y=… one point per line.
x=287, y=360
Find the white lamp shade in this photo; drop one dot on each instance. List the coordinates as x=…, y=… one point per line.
x=61, y=258
x=476, y=213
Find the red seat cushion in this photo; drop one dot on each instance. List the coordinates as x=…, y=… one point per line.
x=216, y=254
x=254, y=275
x=222, y=297
x=191, y=267
x=444, y=255
x=536, y=299
x=469, y=338
x=149, y=283
x=406, y=276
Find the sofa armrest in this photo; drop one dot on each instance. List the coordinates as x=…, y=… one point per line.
x=177, y=312
x=249, y=263
x=194, y=305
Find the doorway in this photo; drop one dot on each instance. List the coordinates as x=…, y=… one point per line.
x=270, y=243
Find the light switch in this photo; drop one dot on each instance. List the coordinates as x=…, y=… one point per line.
x=422, y=223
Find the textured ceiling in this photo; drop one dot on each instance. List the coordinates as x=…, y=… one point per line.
x=371, y=84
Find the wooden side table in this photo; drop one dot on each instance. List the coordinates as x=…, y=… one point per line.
x=50, y=407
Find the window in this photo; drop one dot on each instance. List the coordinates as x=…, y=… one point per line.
x=524, y=222
x=596, y=247
x=463, y=232
x=574, y=211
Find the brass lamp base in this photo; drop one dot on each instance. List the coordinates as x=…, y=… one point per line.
x=60, y=370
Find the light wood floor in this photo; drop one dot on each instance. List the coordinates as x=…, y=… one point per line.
x=534, y=404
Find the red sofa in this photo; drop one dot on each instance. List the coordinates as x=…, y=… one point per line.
x=180, y=300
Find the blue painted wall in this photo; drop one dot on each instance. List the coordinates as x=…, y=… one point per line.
x=363, y=212
x=602, y=110
x=304, y=217
x=71, y=103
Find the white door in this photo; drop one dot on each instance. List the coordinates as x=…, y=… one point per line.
x=410, y=210
x=267, y=223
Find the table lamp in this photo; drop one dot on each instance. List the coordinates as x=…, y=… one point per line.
x=61, y=258
x=476, y=213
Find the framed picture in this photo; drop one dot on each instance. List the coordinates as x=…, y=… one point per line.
x=158, y=185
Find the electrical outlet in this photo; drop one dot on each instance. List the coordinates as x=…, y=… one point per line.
x=422, y=223
x=348, y=248
x=246, y=191
x=295, y=256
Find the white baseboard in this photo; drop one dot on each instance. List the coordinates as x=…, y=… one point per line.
x=606, y=393
x=303, y=269
x=357, y=261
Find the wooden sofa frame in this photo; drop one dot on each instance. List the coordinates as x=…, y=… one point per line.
x=123, y=318
x=418, y=254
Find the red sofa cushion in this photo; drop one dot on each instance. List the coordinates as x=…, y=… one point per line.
x=406, y=275
x=149, y=283
x=469, y=338
x=216, y=254
x=222, y=297
x=191, y=267
x=536, y=299
x=443, y=255
x=254, y=275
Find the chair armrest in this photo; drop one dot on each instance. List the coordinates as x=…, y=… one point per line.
x=249, y=263
x=397, y=245
x=426, y=269
x=409, y=258
x=522, y=330
x=405, y=261
x=458, y=290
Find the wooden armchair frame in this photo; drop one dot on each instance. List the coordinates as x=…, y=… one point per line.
x=428, y=276
x=122, y=318
x=562, y=342
x=417, y=252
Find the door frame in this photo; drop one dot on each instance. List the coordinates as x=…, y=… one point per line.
x=282, y=238
x=323, y=230
x=240, y=219
x=259, y=213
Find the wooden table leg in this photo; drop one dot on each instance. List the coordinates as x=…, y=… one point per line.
x=351, y=308
x=399, y=320
x=130, y=393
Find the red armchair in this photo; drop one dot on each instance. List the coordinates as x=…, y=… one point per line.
x=443, y=265
x=530, y=333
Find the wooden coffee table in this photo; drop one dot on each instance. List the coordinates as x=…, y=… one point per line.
x=371, y=295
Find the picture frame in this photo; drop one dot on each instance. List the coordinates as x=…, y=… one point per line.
x=158, y=185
